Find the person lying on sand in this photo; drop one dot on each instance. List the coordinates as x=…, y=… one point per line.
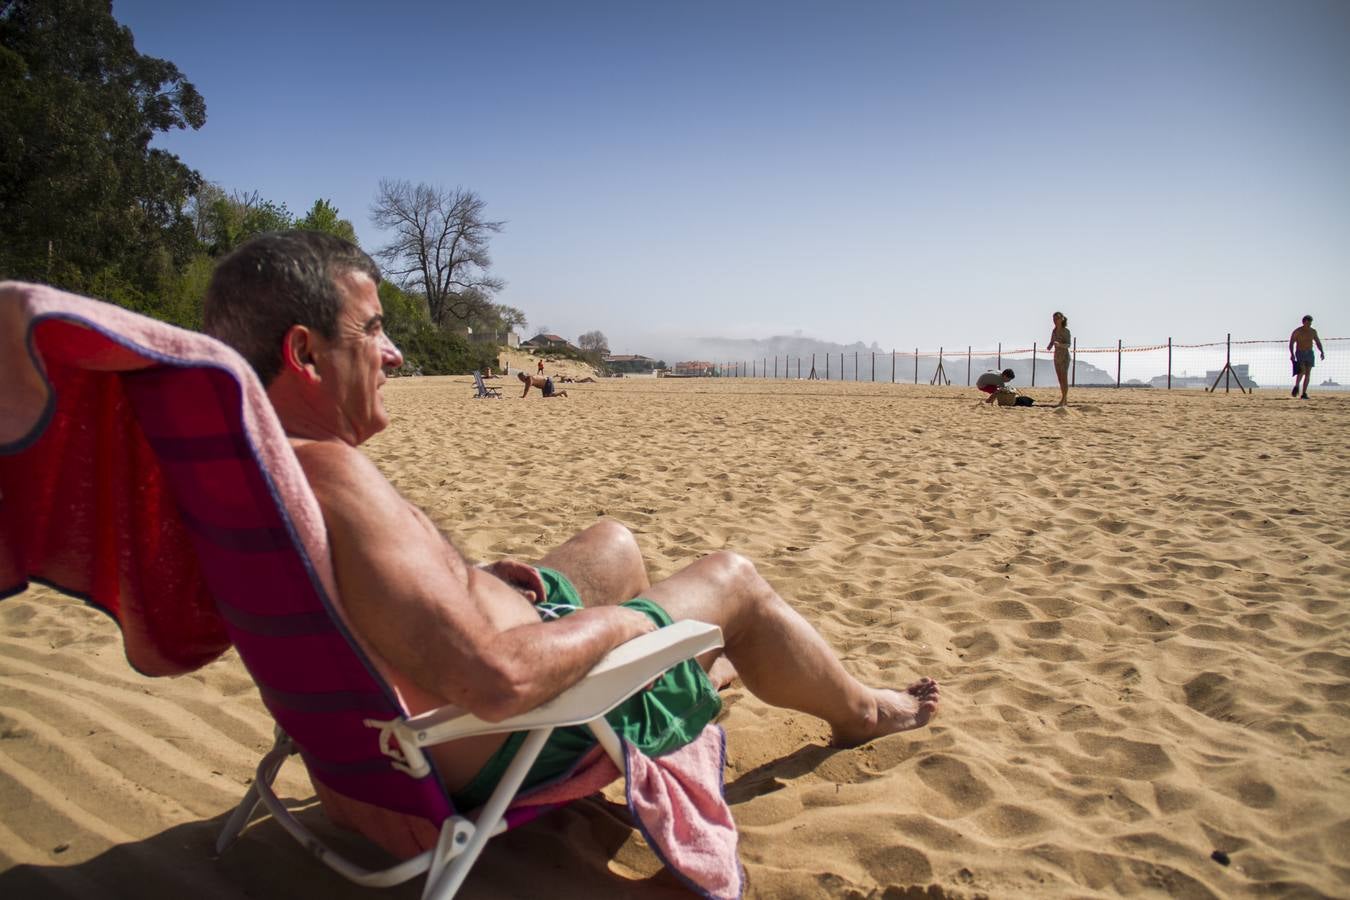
x=500, y=639
x=545, y=385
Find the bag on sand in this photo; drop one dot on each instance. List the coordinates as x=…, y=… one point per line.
x=1023, y=401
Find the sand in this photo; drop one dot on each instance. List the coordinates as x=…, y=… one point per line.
x=1137, y=608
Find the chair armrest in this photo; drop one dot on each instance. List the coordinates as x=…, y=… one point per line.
x=620, y=674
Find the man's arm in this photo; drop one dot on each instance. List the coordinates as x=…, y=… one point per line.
x=527, y=387
x=459, y=633
x=1293, y=336
x=1318, y=341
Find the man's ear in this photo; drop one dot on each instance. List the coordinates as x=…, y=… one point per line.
x=297, y=352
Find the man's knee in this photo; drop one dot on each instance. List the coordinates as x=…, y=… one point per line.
x=733, y=570
x=613, y=538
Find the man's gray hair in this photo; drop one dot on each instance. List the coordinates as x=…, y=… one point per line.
x=274, y=281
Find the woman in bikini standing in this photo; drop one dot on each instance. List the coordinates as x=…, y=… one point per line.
x=1059, y=342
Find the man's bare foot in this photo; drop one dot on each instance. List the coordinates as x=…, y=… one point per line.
x=896, y=711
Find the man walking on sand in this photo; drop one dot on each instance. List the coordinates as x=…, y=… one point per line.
x=1301, y=354
x=500, y=639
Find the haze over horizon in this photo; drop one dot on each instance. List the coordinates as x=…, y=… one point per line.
x=899, y=173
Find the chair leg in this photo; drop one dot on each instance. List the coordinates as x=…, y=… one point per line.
x=281, y=748
x=447, y=874
x=237, y=820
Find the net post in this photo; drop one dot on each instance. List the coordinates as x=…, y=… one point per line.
x=1227, y=359
x=1119, y=343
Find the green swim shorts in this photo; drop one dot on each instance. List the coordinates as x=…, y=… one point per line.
x=663, y=718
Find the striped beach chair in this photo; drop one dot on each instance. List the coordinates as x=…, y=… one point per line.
x=143, y=470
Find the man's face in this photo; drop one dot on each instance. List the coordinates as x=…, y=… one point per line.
x=352, y=364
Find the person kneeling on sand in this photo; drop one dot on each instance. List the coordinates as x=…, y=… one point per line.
x=500, y=639
x=545, y=385
x=992, y=382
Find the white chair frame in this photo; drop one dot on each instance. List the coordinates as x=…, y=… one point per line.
x=621, y=673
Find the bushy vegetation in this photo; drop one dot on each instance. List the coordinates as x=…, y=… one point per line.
x=86, y=204
x=427, y=349
x=593, y=358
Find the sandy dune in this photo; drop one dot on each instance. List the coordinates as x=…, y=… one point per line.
x=1137, y=608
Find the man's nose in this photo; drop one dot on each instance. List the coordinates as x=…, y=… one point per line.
x=390, y=354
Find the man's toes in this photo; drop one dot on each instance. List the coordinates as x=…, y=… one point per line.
x=923, y=688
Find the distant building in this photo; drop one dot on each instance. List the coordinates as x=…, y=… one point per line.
x=630, y=363
x=1240, y=376
x=544, y=341
x=692, y=369
x=496, y=338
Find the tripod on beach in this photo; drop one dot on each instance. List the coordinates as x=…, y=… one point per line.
x=940, y=372
x=1228, y=372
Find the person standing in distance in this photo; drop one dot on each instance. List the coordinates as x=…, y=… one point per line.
x=1060, y=340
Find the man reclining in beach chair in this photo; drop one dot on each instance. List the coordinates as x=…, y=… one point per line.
x=143, y=470
x=303, y=309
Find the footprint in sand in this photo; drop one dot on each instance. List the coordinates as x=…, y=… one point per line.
x=954, y=780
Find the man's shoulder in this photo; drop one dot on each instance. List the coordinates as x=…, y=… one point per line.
x=325, y=456
x=336, y=471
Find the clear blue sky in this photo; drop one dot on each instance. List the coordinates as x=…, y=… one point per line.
x=910, y=173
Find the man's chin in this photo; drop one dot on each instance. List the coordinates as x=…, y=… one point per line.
x=373, y=427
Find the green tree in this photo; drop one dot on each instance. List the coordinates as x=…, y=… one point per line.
x=495, y=318
x=428, y=349
x=231, y=220
x=323, y=216
x=84, y=199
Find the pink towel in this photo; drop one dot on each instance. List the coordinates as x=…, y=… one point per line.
x=678, y=803
x=101, y=523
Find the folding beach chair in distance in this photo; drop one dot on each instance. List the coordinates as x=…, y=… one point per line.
x=481, y=390
x=219, y=540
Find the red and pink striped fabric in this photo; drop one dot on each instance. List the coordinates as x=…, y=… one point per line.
x=143, y=470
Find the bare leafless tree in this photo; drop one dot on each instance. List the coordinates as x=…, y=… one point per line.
x=440, y=246
x=594, y=340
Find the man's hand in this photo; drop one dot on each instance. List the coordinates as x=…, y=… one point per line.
x=521, y=576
